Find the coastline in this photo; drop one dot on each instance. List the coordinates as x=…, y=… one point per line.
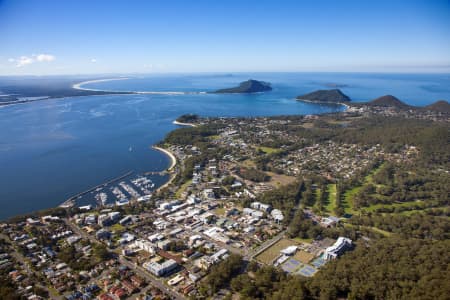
x=78, y=86
x=172, y=165
x=172, y=157
x=184, y=124
x=347, y=106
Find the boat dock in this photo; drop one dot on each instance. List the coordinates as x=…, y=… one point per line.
x=71, y=201
x=161, y=173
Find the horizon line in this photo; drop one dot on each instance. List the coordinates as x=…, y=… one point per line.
x=219, y=72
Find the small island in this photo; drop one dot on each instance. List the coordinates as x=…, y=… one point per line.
x=328, y=96
x=249, y=86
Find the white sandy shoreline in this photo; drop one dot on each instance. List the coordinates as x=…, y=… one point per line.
x=172, y=157
x=78, y=86
x=172, y=165
x=324, y=102
x=184, y=124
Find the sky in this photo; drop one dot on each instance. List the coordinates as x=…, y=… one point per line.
x=49, y=37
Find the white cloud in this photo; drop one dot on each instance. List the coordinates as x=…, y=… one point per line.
x=28, y=60
x=93, y=60
x=23, y=61
x=45, y=57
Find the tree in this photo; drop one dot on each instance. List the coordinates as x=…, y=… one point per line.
x=222, y=273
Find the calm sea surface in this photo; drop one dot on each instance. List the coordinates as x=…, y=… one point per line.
x=51, y=150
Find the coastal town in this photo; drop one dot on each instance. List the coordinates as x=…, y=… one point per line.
x=226, y=198
x=225, y=150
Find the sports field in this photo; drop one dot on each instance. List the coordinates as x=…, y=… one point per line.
x=269, y=255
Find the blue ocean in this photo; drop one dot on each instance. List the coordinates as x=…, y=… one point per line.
x=51, y=150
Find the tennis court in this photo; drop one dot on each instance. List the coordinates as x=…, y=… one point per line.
x=291, y=265
x=307, y=271
x=319, y=262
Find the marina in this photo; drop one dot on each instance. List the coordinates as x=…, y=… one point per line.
x=118, y=191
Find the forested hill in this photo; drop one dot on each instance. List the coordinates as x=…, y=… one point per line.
x=334, y=95
x=439, y=106
x=388, y=100
x=249, y=86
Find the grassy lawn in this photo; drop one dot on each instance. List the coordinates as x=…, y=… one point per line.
x=331, y=202
x=375, y=229
x=220, y=211
x=268, y=256
x=318, y=194
x=277, y=180
x=182, y=188
x=393, y=205
x=308, y=125
x=248, y=163
x=53, y=291
x=117, y=227
x=338, y=122
x=383, y=232
x=269, y=150
x=415, y=211
x=303, y=256
x=347, y=202
x=214, y=137
x=300, y=240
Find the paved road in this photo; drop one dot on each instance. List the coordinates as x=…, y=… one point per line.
x=142, y=272
x=80, y=232
x=265, y=245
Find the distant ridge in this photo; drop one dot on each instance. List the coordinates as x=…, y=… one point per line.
x=249, y=86
x=440, y=106
x=332, y=96
x=387, y=101
x=390, y=101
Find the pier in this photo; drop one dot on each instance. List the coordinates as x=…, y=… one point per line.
x=161, y=173
x=71, y=201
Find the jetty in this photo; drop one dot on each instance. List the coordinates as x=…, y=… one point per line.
x=161, y=173
x=71, y=201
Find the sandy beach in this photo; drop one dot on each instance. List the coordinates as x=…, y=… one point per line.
x=171, y=156
x=323, y=102
x=78, y=86
x=172, y=165
x=184, y=124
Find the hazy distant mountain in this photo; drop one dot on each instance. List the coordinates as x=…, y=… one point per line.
x=334, y=95
x=440, y=106
x=387, y=101
x=249, y=86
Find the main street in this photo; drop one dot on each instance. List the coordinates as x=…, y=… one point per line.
x=144, y=273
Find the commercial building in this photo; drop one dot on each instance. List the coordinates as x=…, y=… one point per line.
x=342, y=244
x=161, y=269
